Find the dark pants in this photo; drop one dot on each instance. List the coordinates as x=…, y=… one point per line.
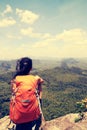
x=29, y=125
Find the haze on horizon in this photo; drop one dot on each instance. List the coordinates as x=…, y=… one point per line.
x=43, y=28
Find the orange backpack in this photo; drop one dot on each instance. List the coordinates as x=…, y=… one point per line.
x=24, y=106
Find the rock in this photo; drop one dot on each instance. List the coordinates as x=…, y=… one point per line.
x=5, y=123
x=66, y=122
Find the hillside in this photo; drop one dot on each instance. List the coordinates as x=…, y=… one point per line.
x=64, y=87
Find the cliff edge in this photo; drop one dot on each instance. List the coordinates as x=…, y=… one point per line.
x=66, y=122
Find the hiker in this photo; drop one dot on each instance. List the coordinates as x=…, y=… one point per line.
x=25, y=110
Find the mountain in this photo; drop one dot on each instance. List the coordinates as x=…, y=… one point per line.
x=6, y=66
x=43, y=64
x=66, y=122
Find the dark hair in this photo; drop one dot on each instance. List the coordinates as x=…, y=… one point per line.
x=23, y=67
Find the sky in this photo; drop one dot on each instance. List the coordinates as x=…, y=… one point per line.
x=43, y=28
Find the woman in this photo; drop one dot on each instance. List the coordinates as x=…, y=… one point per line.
x=25, y=110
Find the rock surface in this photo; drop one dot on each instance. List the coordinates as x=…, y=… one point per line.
x=4, y=123
x=66, y=122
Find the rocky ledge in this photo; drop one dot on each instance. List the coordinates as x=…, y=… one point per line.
x=66, y=122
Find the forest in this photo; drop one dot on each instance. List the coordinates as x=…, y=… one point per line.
x=63, y=86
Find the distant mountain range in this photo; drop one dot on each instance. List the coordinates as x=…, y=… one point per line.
x=45, y=63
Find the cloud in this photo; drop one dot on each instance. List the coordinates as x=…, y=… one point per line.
x=73, y=50
x=30, y=32
x=7, y=22
x=7, y=10
x=73, y=36
x=41, y=44
x=70, y=43
x=11, y=36
x=27, y=16
x=10, y=52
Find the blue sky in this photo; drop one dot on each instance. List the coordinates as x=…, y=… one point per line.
x=43, y=28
